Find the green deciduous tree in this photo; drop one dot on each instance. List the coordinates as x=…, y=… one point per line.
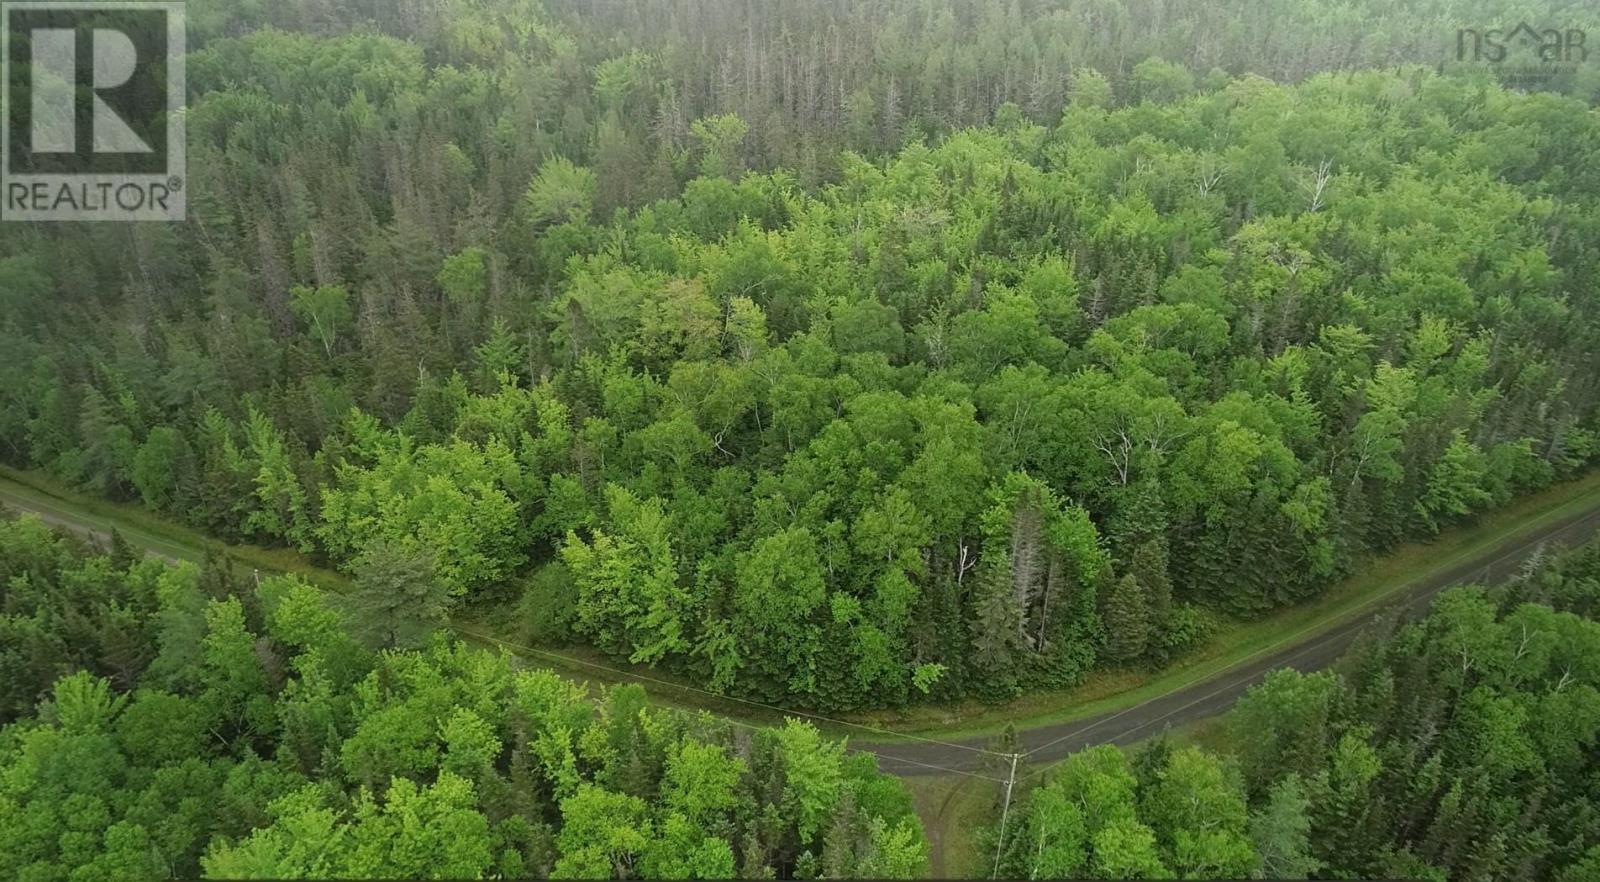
x=325, y=309
x=629, y=599
x=561, y=193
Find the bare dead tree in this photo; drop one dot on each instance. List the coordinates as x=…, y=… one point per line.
x=966, y=561
x=1210, y=176
x=1316, y=188
x=1117, y=445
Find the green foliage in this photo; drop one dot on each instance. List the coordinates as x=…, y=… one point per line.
x=629, y=600
x=1199, y=816
x=1459, y=746
x=157, y=467
x=1157, y=80
x=465, y=276
x=851, y=343
x=1088, y=821
x=1456, y=484
x=451, y=501
x=719, y=138
x=290, y=752
x=1282, y=726
x=1430, y=735
x=413, y=832
x=59, y=614
x=832, y=354
x=398, y=600
x=1281, y=832
x=325, y=309
x=561, y=193
x=1127, y=620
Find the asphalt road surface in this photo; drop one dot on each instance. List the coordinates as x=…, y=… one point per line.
x=1216, y=694
x=1046, y=743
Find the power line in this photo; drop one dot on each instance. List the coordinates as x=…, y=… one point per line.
x=683, y=686
x=1086, y=727
x=1215, y=692
x=902, y=759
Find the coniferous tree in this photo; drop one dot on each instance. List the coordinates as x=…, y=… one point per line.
x=1127, y=615
x=398, y=597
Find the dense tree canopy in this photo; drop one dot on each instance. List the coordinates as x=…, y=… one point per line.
x=974, y=417
x=640, y=92
x=1465, y=746
x=158, y=725
x=833, y=354
x=746, y=356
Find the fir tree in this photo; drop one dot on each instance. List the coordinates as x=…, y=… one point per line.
x=398, y=599
x=1126, y=614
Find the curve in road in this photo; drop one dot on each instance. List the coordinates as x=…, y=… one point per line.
x=1046, y=743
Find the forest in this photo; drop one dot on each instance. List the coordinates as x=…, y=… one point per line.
x=845, y=357
x=195, y=725
x=964, y=418
x=1459, y=747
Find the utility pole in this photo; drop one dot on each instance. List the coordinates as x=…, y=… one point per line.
x=999, y=846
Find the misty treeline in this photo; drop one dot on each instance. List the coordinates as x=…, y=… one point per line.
x=467, y=306
x=810, y=77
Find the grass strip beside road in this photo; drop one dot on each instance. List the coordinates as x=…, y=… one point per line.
x=1379, y=581
x=19, y=492
x=1375, y=584
x=58, y=505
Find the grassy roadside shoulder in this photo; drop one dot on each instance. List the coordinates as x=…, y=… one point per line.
x=1376, y=582
x=58, y=504
x=28, y=492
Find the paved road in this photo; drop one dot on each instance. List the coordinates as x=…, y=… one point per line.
x=1198, y=701
x=1216, y=694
